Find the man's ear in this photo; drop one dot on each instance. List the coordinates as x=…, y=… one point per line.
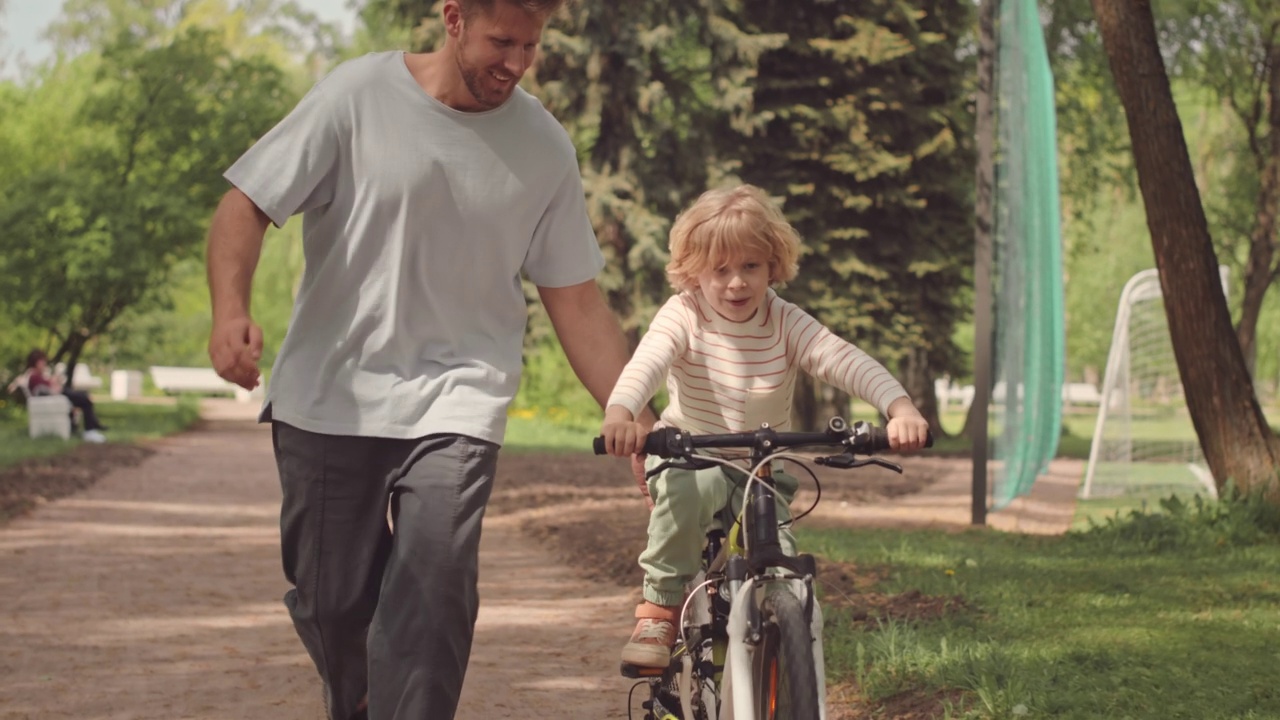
x=452, y=18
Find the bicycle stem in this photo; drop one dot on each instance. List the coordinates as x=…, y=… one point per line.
x=764, y=551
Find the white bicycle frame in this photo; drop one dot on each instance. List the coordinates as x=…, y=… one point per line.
x=737, y=687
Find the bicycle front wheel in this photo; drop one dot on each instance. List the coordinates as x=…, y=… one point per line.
x=785, y=681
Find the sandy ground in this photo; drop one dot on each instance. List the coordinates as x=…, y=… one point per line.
x=155, y=593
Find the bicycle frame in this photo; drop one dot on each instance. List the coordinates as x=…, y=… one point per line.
x=744, y=575
x=741, y=578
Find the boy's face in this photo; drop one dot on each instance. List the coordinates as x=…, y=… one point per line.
x=735, y=288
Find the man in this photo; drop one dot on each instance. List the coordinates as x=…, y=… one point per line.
x=428, y=183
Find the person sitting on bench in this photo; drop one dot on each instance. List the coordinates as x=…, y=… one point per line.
x=42, y=381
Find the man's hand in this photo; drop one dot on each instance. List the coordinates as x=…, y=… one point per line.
x=637, y=469
x=235, y=346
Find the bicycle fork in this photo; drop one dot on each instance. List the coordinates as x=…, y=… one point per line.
x=737, y=702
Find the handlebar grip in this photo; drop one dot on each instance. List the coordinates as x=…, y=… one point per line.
x=878, y=440
x=658, y=442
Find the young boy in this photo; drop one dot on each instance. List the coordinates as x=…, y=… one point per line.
x=729, y=349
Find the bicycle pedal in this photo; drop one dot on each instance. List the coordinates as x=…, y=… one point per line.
x=636, y=672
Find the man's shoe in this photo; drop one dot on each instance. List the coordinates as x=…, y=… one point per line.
x=655, y=634
x=94, y=436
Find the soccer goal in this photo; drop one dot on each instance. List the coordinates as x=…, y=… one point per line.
x=1144, y=444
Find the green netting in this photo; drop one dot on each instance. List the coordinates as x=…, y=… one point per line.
x=1029, y=354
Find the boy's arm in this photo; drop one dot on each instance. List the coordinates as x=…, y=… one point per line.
x=839, y=363
x=665, y=340
x=591, y=337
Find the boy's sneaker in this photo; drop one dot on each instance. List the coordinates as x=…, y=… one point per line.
x=94, y=436
x=655, y=634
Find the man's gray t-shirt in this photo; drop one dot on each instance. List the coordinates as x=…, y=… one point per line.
x=418, y=220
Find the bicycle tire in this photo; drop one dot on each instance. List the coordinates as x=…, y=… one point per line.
x=785, y=683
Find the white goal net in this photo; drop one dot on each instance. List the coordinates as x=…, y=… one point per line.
x=1144, y=444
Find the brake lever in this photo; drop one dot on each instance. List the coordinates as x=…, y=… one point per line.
x=848, y=461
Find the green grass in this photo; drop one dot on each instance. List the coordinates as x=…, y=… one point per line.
x=126, y=422
x=1173, y=615
x=529, y=432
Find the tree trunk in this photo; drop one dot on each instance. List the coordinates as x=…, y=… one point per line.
x=1258, y=273
x=1233, y=433
x=918, y=379
x=975, y=420
x=804, y=404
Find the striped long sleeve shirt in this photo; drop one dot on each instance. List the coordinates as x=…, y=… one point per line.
x=726, y=376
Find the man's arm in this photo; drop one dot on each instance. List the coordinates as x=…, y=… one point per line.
x=235, y=244
x=591, y=337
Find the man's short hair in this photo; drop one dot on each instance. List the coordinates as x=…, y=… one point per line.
x=539, y=7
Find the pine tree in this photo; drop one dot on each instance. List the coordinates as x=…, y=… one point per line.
x=866, y=135
x=651, y=95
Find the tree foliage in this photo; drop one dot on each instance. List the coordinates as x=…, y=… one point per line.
x=95, y=230
x=867, y=134
x=1223, y=58
x=1233, y=48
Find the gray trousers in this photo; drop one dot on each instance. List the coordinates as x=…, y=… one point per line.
x=383, y=613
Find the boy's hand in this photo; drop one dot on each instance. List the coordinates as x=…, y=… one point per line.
x=622, y=434
x=907, y=428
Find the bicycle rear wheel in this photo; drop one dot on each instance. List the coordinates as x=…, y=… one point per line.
x=785, y=681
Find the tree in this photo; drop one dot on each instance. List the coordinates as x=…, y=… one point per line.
x=1233, y=433
x=1218, y=50
x=867, y=135
x=1234, y=48
x=278, y=31
x=95, y=231
x=651, y=94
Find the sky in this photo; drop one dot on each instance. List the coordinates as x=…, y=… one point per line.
x=23, y=21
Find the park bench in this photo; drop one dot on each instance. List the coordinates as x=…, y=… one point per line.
x=949, y=394
x=199, y=380
x=1081, y=393
x=83, y=378
x=46, y=414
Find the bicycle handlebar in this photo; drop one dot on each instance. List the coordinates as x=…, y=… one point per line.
x=859, y=439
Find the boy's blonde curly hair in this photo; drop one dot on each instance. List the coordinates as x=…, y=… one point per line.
x=723, y=225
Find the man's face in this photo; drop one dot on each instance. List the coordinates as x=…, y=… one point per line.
x=494, y=48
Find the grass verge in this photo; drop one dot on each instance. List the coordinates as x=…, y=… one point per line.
x=531, y=432
x=126, y=422
x=1172, y=613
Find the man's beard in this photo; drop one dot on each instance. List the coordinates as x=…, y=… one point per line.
x=475, y=82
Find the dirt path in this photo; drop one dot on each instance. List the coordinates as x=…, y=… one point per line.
x=155, y=592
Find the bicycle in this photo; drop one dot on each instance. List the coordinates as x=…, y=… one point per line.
x=750, y=641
